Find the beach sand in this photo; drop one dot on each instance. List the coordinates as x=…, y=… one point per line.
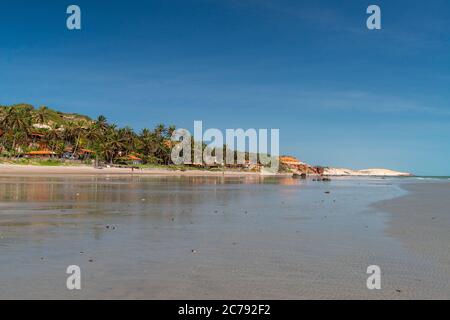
x=149, y=237
x=420, y=220
x=29, y=170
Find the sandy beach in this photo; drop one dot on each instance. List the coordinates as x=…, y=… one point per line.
x=13, y=169
x=420, y=220
x=193, y=237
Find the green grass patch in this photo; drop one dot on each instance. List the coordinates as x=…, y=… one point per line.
x=38, y=162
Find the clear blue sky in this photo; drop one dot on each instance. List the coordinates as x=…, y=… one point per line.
x=340, y=94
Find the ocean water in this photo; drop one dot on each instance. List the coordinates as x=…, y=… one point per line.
x=432, y=178
x=205, y=237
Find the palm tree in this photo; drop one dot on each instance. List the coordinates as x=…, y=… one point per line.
x=42, y=115
x=128, y=137
x=2, y=116
x=80, y=132
x=160, y=130
x=92, y=134
x=170, y=131
x=106, y=139
x=54, y=137
x=2, y=113
x=16, y=120
x=101, y=123
x=73, y=132
x=113, y=144
x=148, y=143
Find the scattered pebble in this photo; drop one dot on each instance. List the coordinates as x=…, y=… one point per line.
x=194, y=251
x=398, y=290
x=91, y=260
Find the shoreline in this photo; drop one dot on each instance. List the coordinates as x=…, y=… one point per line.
x=12, y=169
x=29, y=169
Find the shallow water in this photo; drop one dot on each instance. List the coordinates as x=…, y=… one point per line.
x=204, y=237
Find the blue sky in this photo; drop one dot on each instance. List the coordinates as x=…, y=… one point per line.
x=340, y=94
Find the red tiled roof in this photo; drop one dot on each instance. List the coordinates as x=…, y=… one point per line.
x=40, y=153
x=131, y=157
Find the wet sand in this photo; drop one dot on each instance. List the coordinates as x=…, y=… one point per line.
x=420, y=220
x=215, y=238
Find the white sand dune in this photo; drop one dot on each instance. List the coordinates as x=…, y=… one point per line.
x=365, y=172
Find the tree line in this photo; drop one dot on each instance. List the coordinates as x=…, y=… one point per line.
x=59, y=131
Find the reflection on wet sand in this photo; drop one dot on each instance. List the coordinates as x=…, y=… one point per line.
x=202, y=237
x=51, y=201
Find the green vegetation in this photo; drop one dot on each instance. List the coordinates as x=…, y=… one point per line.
x=61, y=133
x=37, y=162
x=29, y=134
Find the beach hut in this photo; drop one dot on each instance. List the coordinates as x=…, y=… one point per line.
x=42, y=154
x=133, y=159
